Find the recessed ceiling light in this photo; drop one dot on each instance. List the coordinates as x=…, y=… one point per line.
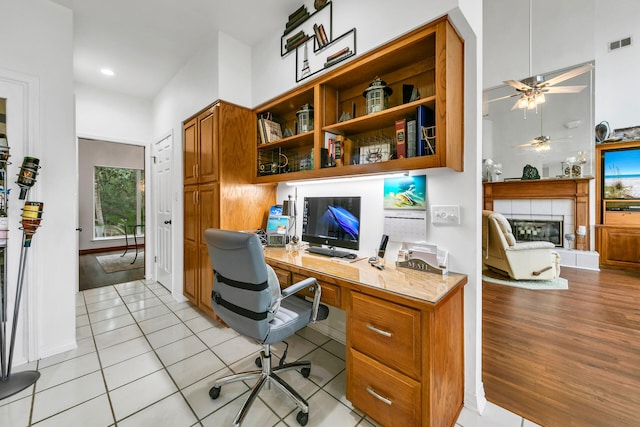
x=107, y=72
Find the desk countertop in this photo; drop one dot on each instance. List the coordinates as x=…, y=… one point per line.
x=424, y=286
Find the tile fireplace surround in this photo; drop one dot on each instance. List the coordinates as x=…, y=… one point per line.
x=552, y=199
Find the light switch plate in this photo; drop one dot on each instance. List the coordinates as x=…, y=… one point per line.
x=445, y=214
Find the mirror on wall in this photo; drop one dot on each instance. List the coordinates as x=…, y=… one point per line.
x=564, y=122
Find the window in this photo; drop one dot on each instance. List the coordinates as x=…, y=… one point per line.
x=118, y=201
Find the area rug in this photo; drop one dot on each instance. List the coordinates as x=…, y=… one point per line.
x=116, y=262
x=558, y=283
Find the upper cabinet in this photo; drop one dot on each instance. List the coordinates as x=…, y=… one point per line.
x=421, y=125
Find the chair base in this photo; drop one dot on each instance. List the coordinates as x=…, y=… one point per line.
x=267, y=375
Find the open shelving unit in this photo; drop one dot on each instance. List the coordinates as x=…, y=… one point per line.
x=429, y=58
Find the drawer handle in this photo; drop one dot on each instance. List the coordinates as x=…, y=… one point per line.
x=373, y=393
x=378, y=331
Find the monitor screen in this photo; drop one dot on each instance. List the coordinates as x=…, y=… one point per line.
x=621, y=171
x=332, y=221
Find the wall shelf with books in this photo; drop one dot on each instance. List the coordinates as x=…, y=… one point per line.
x=325, y=54
x=302, y=26
x=423, y=71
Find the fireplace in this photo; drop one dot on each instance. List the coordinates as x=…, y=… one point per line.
x=535, y=230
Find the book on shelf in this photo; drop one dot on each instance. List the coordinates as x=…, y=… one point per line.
x=411, y=138
x=300, y=11
x=291, y=25
x=401, y=143
x=270, y=131
x=322, y=41
x=297, y=43
x=323, y=35
x=344, y=53
x=300, y=34
x=337, y=54
x=424, y=120
x=346, y=147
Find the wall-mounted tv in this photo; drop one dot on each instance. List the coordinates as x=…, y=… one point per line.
x=621, y=171
x=332, y=221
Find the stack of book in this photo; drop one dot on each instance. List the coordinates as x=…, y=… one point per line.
x=296, y=40
x=338, y=56
x=296, y=18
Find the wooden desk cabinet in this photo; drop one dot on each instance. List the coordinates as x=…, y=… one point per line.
x=405, y=354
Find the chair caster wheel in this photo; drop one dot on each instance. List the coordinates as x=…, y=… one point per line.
x=258, y=362
x=214, y=392
x=305, y=373
x=302, y=418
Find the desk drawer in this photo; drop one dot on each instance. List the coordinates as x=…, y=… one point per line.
x=284, y=276
x=387, y=396
x=330, y=293
x=387, y=332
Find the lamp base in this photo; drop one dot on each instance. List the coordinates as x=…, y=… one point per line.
x=17, y=382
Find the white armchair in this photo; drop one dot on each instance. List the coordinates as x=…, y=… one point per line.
x=520, y=261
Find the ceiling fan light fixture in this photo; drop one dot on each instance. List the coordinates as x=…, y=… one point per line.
x=539, y=98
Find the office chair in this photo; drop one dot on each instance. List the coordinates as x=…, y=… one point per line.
x=246, y=295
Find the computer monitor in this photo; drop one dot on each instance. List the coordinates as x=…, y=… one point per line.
x=332, y=221
x=277, y=224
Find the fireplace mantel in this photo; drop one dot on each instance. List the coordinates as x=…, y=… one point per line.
x=576, y=189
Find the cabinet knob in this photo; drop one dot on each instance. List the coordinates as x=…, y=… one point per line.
x=168, y=221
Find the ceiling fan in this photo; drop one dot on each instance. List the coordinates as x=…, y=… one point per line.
x=542, y=142
x=531, y=91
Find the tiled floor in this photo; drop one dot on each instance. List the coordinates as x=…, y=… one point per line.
x=144, y=359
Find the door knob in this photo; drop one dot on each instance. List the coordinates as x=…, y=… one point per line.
x=168, y=221
x=79, y=229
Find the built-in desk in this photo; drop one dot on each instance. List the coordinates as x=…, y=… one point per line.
x=405, y=353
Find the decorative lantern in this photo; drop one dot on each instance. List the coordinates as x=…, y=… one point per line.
x=377, y=96
x=4, y=148
x=305, y=118
x=27, y=175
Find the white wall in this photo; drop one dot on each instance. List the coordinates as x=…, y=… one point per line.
x=277, y=75
x=99, y=153
x=38, y=39
x=234, y=66
x=112, y=116
x=562, y=37
x=617, y=93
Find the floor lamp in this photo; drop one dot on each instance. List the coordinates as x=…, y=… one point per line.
x=11, y=384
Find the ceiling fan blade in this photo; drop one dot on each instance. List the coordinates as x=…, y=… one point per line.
x=528, y=144
x=517, y=85
x=564, y=89
x=502, y=97
x=568, y=75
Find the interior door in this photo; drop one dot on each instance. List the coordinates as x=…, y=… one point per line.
x=162, y=170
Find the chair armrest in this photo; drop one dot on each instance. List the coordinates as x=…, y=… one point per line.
x=312, y=284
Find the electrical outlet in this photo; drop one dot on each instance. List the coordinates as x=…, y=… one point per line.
x=445, y=214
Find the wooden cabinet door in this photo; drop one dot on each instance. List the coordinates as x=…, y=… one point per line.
x=190, y=151
x=208, y=140
x=190, y=287
x=206, y=280
x=620, y=247
x=190, y=243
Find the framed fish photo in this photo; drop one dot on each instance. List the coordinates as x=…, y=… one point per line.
x=407, y=192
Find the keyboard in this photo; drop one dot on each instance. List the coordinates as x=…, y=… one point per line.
x=328, y=252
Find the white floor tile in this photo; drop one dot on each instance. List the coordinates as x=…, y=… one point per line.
x=189, y=371
x=104, y=305
x=324, y=366
x=150, y=313
x=111, y=324
x=104, y=296
x=84, y=346
x=278, y=401
x=82, y=320
x=143, y=304
x=16, y=413
x=236, y=349
x=118, y=336
x=97, y=291
x=99, y=316
x=123, y=351
x=216, y=335
x=259, y=415
x=62, y=397
x=172, y=411
x=179, y=350
x=94, y=413
x=67, y=371
x=168, y=335
x=314, y=336
x=198, y=394
x=158, y=323
x=131, y=369
x=141, y=393
x=325, y=411
x=298, y=348
x=200, y=323
x=188, y=313
x=83, y=332
x=336, y=348
x=145, y=294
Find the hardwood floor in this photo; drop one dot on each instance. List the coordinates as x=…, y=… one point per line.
x=568, y=357
x=91, y=274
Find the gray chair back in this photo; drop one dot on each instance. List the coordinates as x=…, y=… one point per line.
x=241, y=293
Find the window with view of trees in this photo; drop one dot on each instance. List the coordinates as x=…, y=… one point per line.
x=118, y=201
